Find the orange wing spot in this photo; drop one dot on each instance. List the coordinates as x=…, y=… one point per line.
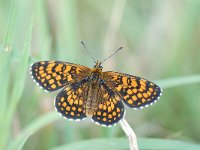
x=45, y=84
x=134, y=97
x=51, y=81
x=99, y=113
x=134, y=83
x=53, y=86
x=62, y=108
x=139, y=95
x=119, y=115
x=51, y=65
x=42, y=62
x=58, y=68
x=114, y=113
x=151, y=89
x=130, y=101
x=69, y=78
x=68, y=108
x=48, y=77
x=67, y=69
x=110, y=116
x=48, y=69
x=127, y=96
x=59, y=84
x=135, y=90
x=41, y=68
x=149, y=93
x=76, y=102
x=112, y=106
x=143, y=83
x=145, y=95
x=104, y=114
x=43, y=75
x=139, y=103
x=143, y=100
x=80, y=109
x=74, y=108
x=129, y=92
x=80, y=102
x=41, y=72
x=62, y=99
x=64, y=104
x=124, y=80
x=69, y=92
x=74, y=97
x=105, y=95
x=71, y=101
x=49, y=72
x=54, y=74
x=154, y=93
x=114, y=78
x=104, y=107
x=78, y=70
x=72, y=113
x=109, y=109
x=69, y=97
x=107, y=103
x=79, y=90
x=104, y=119
x=151, y=84
x=42, y=80
x=119, y=88
x=101, y=106
x=118, y=110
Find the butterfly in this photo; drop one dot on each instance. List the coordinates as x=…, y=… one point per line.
x=92, y=92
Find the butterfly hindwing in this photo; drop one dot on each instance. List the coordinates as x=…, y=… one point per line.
x=110, y=110
x=70, y=102
x=53, y=75
x=135, y=92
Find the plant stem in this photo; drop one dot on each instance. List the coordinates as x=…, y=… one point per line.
x=130, y=133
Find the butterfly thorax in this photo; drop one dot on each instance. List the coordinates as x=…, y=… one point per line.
x=93, y=88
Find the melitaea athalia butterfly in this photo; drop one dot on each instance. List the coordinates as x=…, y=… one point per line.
x=91, y=92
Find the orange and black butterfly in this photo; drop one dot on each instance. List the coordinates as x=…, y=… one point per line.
x=92, y=92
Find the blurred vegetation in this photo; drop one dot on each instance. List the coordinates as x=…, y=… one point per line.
x=161, y=42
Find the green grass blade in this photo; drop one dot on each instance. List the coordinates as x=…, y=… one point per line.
x=23, y=141
x=5, y=61
x=18, y=82
x=8, y=38
x=122, y=144
x=177, y=81
x=33, y=127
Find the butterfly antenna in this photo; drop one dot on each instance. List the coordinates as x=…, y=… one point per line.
x=112, y=54
x=87, y=51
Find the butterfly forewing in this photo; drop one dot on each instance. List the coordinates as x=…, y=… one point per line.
x=109, y=109
x=53, y=75
x=135, y=92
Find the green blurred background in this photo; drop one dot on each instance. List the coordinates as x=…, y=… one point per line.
x=161, y=41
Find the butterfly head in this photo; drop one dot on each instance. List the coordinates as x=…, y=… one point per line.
x=97, y=69
x=98, y=65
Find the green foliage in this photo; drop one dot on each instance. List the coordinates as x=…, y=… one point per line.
x=161, y=40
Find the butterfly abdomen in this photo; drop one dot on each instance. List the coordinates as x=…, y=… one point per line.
x=92, y=99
